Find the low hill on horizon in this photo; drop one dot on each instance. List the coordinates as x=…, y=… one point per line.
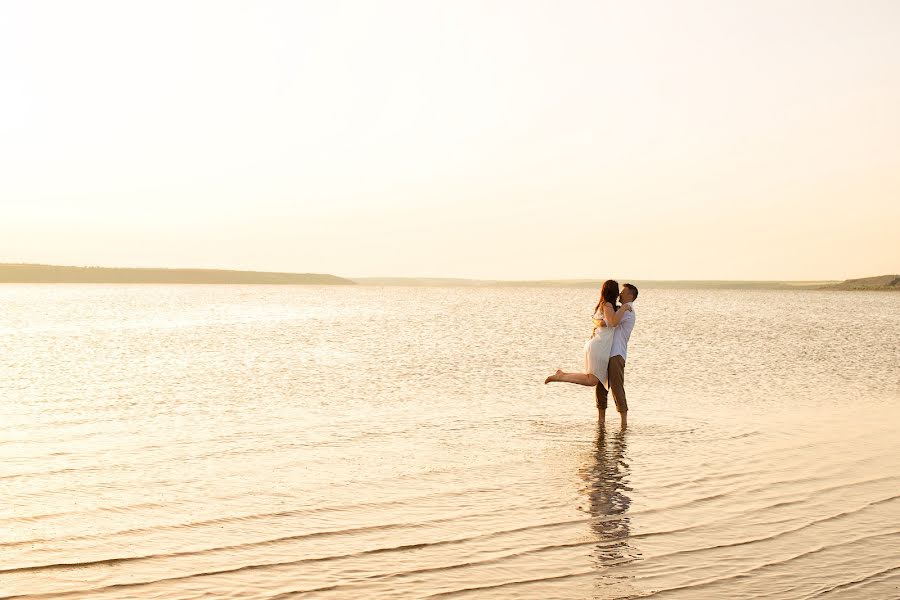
x=879, y=284
x=33, y=273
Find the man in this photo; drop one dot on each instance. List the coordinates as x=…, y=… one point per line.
x=617, y=356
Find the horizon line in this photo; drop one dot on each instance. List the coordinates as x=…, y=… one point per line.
x=419, y=277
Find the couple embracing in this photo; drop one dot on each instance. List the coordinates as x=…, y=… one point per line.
x=606, y=351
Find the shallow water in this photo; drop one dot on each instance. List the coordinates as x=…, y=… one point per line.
x=333, y=442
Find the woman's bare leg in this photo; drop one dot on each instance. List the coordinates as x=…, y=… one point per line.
x=586, y=379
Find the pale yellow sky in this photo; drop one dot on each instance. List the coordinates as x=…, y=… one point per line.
x=505, y=140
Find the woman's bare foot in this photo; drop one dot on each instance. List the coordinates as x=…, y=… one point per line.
x=554, y=377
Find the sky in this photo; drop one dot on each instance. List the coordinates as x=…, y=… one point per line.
x=481, y=139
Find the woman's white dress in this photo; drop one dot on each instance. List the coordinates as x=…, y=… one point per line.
x=597, y=349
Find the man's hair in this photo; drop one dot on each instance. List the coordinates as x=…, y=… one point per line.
x=633, y=289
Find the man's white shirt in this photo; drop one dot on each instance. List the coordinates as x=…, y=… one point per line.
x=621, y=334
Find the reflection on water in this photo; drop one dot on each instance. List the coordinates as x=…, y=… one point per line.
x=608, y=492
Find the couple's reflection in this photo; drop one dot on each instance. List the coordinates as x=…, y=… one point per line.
x=607, y=476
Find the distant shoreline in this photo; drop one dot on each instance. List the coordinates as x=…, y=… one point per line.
x=27, y=273
x=53, y=274
x=592, y=283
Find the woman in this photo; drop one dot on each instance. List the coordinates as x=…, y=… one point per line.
x=596, y=350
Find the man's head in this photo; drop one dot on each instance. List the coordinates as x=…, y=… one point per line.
x=629, y=293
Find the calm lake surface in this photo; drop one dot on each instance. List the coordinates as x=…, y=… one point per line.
x=364, y=442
